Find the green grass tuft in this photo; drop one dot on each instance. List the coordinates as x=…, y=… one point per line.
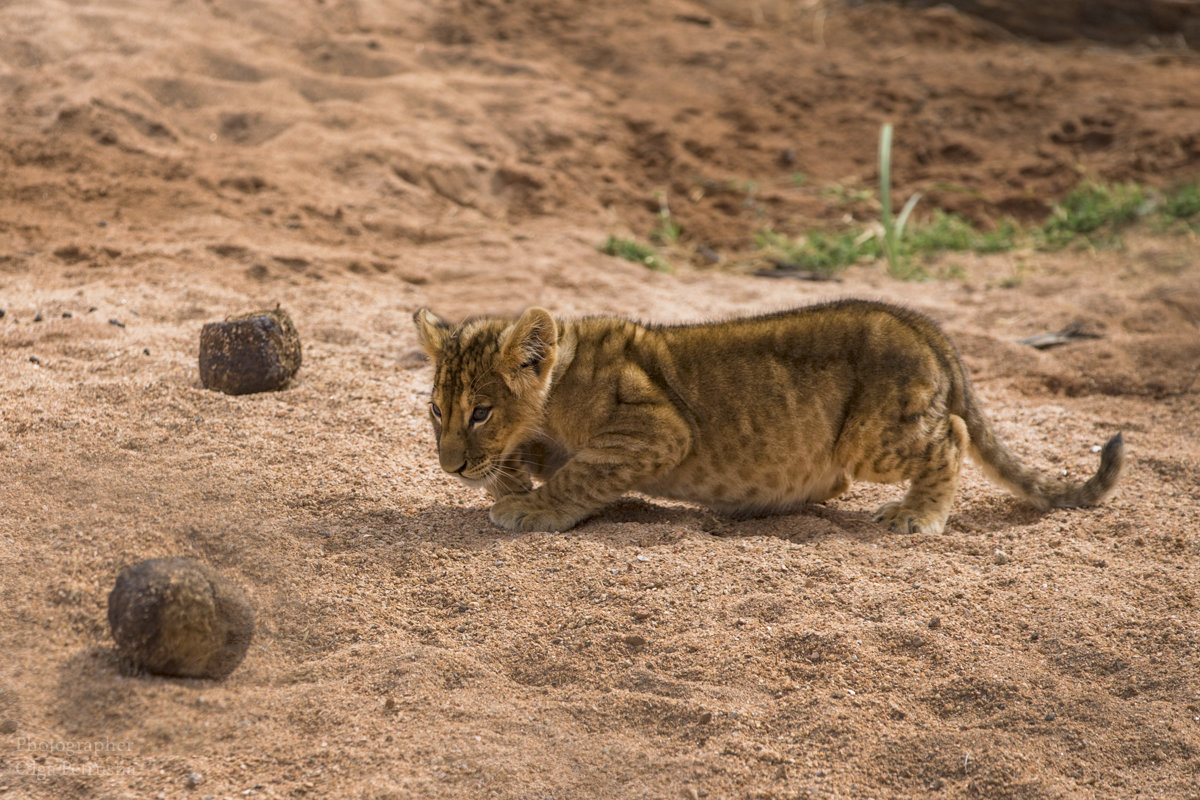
x=1092, y=207
x=1183, y=201
x=820, y=252
x=639, y=253
x=945, y=231
x=893, y=227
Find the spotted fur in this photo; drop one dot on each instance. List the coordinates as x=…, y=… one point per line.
x=748, y=415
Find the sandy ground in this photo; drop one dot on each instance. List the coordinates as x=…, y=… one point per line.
x=163, y=165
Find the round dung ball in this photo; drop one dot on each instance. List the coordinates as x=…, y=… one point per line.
x=176, y=616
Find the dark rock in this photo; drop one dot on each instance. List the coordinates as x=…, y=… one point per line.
x=258, y=352
x=176, y=616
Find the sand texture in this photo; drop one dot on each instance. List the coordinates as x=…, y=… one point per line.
x=164, y=165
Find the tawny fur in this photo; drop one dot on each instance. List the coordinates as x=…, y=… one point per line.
x=745, y=416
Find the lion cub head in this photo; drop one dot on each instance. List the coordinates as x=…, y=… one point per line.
x=490, y=383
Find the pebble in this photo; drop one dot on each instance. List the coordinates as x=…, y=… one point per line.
x=178, y=617
x=935, y=623
x=1051, y=716
x=193, y=780
x=117, y=322
x=705, y=717
x=257, y=352
x=1002, y=557
x=37, y=317
x=634, y=640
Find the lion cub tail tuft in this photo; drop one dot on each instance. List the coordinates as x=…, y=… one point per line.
x=1043, y=491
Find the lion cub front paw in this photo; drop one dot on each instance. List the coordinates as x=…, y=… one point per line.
x=900, y=519
x=523, y=512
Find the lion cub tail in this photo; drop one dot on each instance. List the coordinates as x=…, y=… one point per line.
x=1002, y=466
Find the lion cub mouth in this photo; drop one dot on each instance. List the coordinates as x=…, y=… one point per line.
x=481, y=475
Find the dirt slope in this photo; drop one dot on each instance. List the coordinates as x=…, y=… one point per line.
x=165, y=166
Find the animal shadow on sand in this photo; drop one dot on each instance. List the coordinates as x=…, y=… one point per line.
x=631, y=521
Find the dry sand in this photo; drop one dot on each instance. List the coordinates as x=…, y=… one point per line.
x=163, y=165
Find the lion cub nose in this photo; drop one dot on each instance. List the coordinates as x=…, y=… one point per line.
x=448, y=466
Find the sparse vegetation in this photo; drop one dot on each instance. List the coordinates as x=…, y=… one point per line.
x=1094, y=208
x=944, y=231
x=630, y=250
x=1183, y=201
x=667, y=232
x=820, y=252
x=1094, y=214
x=893, y=226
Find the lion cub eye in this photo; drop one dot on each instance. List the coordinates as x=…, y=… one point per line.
x=480, y=414
x=437, y=412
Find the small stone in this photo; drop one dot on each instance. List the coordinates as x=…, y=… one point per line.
x=708, y=254
x=116, y=322
x=1051, y=716
x=705, y=717
x=1002, y=557
x=193, y=780
x=34, y=360
x=145, y=351
x=1, y=313
x=634, y=640
x=66, y=315
x=37, y=317
x=176, y=616
x=257, y=352
x=935, y=623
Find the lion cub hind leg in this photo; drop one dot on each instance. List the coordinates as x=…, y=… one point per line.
x=934, y=475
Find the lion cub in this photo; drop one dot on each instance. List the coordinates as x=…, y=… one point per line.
x=745, y=416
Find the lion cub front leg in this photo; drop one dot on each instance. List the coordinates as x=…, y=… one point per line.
x=594, y=477
x=587, y=483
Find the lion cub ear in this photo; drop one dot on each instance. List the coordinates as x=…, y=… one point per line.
x=530, y=343
x=431, y=332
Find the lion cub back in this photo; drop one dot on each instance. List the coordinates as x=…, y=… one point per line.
x=788, y=407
